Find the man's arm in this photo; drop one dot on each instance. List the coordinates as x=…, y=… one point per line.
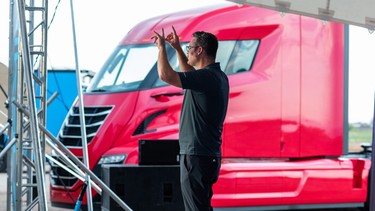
x=165, y=71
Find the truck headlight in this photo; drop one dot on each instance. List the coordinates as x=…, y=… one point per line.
x=112, y=159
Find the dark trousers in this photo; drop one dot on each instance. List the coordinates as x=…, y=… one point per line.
x=198, y=174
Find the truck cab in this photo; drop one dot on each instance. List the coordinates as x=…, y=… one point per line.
x=284, y=130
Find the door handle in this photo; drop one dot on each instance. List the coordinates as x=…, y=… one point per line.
x=168, y=94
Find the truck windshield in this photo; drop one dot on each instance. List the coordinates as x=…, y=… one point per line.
x=126, y=69
x=129, y=66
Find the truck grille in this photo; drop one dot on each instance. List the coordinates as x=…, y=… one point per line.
x=59, y=176
x=70, y=134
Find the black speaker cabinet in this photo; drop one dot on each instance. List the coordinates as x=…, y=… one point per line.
x=143, y=188
x=158, y=152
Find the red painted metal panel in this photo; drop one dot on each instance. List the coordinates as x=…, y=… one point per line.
x=322, y=88
x=245, y=183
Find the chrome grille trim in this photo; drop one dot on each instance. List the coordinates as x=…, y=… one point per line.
x=87, y=125
x=62, y=177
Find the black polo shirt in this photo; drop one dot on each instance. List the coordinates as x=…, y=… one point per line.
x=203, y=110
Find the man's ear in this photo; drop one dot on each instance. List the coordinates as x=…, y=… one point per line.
x=200, y=50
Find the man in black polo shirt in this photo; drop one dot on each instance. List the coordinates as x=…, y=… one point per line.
x=203, y=112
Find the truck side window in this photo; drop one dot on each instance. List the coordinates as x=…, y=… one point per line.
x=237, y=56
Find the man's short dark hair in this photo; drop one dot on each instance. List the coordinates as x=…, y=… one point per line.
x=208, y=42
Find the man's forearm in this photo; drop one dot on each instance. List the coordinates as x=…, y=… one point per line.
x=164, y=68
x=165, y=71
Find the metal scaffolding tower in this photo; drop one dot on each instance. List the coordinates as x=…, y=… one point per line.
x=27, y=89
x=27, y=106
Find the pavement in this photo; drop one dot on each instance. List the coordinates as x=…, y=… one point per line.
x=3, y=195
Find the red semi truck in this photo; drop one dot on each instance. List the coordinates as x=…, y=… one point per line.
x=284, y=132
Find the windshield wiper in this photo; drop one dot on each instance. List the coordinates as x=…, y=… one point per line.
x=98, y=90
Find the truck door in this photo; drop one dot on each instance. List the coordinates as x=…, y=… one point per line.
x=252, y=125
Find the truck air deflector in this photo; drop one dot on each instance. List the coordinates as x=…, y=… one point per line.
x=142, y=127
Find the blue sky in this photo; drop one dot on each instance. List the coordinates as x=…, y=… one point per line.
x=100, y=26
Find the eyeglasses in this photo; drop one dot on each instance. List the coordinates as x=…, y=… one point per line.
x=188, y=47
